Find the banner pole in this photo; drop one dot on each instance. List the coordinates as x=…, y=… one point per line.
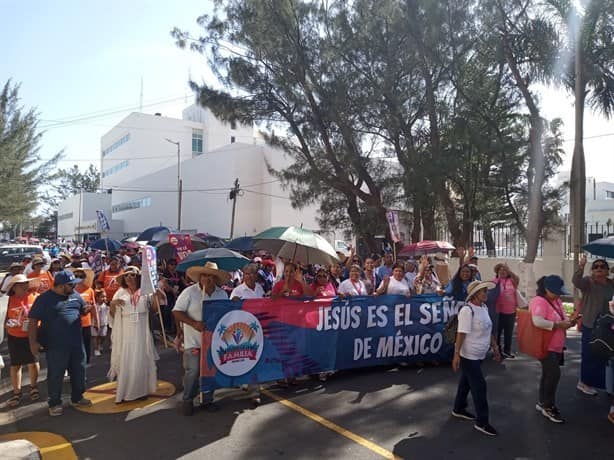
x=157, y=305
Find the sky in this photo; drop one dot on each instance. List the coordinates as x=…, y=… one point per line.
x=76, y=58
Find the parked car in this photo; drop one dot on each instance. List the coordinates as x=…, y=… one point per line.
x=10, y=253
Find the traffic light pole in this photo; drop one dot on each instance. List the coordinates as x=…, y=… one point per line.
x=234, y=193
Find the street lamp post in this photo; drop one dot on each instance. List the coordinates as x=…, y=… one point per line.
x=179, y=184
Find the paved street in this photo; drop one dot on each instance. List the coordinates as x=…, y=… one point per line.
x=404, y=411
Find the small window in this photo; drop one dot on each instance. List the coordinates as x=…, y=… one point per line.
x=197, y=141
x=609, y=195
x=232, y=139
x=233, y=124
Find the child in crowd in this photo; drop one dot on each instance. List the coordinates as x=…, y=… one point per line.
x=100, y=320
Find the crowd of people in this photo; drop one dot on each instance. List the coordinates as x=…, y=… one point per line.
x=88, y=303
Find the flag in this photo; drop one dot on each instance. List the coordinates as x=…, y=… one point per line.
x=149, y=271
x=393, y=224
x=102, y=221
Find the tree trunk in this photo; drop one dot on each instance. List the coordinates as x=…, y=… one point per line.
x=536, y=196
x=491, y=250
x=428, y=223
x=417, y=227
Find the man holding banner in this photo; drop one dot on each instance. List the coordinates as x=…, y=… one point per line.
x=188, y=312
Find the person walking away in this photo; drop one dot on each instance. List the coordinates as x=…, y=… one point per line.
x=597, y=290
x=45, y=278
x=188, y=313
x=506, y=304
x=547, y=313
x=84, y=288
x=100, y=321
x=22, y=293
x=473, y=340
x=249, y=289
x=133, y=356
x=59, y=311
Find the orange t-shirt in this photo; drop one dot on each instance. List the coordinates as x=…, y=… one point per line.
x=88, y=297
x=109, y=284
x=46, y=281
x=17, y=313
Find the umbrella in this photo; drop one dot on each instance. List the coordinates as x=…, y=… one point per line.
x=296, y=244
x=105, y=244
x=166, y=250
x=224, y=258
x=603, y=247
x=154, y=234
x=131, y=245
x=211, y=240
x=425, y=247
x=241, y=244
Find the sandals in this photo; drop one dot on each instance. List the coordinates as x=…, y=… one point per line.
x=14, y=400
x=34, y=394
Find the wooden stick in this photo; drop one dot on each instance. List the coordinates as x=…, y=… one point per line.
x=157, y=304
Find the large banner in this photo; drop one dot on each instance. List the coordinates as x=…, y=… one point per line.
x=261, y=340
x=149, y=271
x=181, y=243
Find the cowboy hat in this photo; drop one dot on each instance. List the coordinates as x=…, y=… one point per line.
x=131, y=270
x=210, y=268
x=17, y=279
x=37, y=261
x=89, y=275
x=476, y=286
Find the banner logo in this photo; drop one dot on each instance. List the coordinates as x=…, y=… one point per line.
x=237, y=343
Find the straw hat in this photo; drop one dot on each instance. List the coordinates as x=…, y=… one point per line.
x=210, y=268
x=89, y=275
x=476, y=286
x=129, y=270
x=18, y=279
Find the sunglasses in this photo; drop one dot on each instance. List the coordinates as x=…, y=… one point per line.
x=80, y=276
x=600, y=267
x=322, y=276
x=130, y=275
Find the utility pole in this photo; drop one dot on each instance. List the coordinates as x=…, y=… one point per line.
x=179, y=182
x=234, y=193
x=79, y=221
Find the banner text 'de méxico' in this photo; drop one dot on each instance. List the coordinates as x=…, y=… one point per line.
x=260, y=340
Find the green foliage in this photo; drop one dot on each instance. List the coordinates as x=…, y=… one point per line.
x=68, y=182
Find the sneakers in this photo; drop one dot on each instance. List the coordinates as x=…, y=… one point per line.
x=539, y=407
x=56, y=411
x=508, y=355
x=210, y=406
x=552, y=414
x=187, y=408
x=587, y=390
x=464, y=414
x=486, y=429
x=97, y=353
x=81, y=403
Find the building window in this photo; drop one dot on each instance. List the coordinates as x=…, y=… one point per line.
x=609, y=195
x=232, y=139
x=233, y=124
x=197, y=141
x=115, y=145
x=132, y=204
x=116, y=168
x=68, y=215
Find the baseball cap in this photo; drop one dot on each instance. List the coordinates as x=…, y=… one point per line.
x=555, y=284
x=258, y=259
x=66, y=277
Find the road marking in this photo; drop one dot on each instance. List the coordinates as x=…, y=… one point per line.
x=103, y=398
x=51, y=446
x=381, y=451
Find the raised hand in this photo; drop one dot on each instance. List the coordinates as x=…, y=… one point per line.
x=582, y=260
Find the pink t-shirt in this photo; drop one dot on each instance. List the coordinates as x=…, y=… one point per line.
x=506, y=302
x=328, y=290
x=540, y=306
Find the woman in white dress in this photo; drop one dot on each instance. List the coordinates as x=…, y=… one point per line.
x=133, y=356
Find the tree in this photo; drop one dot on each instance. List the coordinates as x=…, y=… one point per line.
x=68, y=182
x=21, y=169
x=281, y=67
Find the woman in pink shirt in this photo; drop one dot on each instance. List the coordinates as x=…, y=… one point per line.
x=507, y=283
x=547, y=313
x=322, y=287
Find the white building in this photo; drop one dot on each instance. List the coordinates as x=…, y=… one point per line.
x=599, y=200
x=139, y=172
x=139, y=144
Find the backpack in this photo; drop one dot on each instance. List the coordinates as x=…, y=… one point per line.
x=451, y=327
x=602, y=340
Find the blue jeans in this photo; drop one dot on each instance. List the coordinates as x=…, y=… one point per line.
x=472, y=380
x=58, y=361
x=191, y=376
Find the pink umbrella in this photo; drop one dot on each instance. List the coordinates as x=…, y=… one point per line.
x=425, y=247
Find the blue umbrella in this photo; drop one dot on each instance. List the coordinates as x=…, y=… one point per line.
x=603, y=247
x=154, y=234
x=224, y=258
x=106, y=243
x=241, y=244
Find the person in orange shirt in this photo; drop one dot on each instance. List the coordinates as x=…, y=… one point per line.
x=45, y=278
x=87, y=294
x=21, y=292
x=106, y=278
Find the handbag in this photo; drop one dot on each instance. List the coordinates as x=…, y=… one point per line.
x=602, y=340
x=521, y=302
x=532, y=340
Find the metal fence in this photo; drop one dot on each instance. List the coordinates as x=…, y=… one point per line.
x=592, y=231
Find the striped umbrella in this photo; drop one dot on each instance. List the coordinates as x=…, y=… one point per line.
x=296, y=244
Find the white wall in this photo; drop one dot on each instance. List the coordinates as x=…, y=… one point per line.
x=84, y=219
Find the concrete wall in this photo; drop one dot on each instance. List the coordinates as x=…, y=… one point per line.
x=84, y=219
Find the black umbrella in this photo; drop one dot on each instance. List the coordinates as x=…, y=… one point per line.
x=603, y=247
x=154, y=234
x=241, y=244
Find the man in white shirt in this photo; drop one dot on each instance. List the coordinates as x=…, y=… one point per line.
x=188, y=311
x=249, y=289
